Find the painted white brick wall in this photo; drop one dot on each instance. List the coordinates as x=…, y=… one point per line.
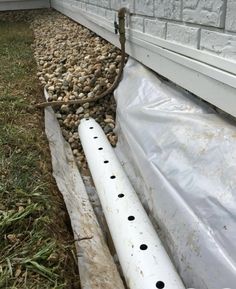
x=117, y=4
x=185, y=35
x=169, y=9
x=206, y=25
x=104, y=3
x=128, y=4
x=94, y=2
x=219, y=43
x=136, y=23
x=92, y=9
x=144, y=7
x=155, y=28
x=101, y=12
x=210, y=12
x=231, y=16
x=110, y=15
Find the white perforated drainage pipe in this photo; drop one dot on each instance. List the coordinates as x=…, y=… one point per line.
x=143, y=259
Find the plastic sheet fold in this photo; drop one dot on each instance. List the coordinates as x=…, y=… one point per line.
x=180, y=155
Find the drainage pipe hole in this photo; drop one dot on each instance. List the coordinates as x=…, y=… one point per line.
x=121, y=196
x=143, y=247
x=160, y=285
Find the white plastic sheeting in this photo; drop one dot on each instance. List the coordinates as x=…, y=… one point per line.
x=181, y=158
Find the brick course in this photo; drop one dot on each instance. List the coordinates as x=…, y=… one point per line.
x=208, y=25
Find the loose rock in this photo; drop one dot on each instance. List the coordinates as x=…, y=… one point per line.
x=74, y=63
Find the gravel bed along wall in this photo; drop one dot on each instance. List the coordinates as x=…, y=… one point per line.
x=74, y=63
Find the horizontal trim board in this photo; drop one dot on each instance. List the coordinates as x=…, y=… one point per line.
x=25, y=4
x=199, y=55
x=229, y=65
x=133, y=36
x=209, y=83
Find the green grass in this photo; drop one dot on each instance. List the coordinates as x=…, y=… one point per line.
x=35, y=242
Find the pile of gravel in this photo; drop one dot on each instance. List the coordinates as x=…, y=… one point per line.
x=74, y=63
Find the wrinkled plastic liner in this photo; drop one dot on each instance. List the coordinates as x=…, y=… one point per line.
x=181, y=158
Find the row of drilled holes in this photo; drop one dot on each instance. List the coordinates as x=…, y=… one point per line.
x=159, y=284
